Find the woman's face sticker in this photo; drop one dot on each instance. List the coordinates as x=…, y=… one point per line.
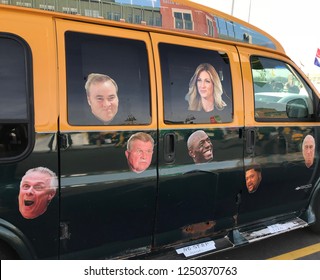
x=205, y=85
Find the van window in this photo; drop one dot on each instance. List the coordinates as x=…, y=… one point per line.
x=184, y=71
x=125, y=62
x=280, y=92
x=15, y=96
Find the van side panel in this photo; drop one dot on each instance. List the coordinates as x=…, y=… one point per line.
x=29, y=132
x=282, y=137
x=107, y=209
x=120, y=140
x=108, y=186
x=200, y=155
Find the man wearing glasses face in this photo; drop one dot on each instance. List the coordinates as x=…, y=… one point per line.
x=139, y=151
x=37, y=189
x=200, y=147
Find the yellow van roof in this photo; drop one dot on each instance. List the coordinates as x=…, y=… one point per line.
x=175, y=15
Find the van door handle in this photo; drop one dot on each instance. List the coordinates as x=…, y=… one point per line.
x=250, y=140
x=169, y=148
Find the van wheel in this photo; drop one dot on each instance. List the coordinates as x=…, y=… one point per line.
x=316, y=208
x=6, y=252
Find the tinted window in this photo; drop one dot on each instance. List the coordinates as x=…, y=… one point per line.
x=15, y=96
x=124, y=61
x=13, y=104
x=196, y=85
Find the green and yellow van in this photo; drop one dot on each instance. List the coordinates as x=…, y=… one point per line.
x=142, y=130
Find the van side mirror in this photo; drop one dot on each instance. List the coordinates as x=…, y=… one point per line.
x=297, y=108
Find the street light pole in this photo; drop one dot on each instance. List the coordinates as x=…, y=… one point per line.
x=249, y=12
x=232, y=8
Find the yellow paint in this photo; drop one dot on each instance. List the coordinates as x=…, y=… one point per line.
x=47, y=45
x=293, y=255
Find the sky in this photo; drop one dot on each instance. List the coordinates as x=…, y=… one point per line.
x=293, y=23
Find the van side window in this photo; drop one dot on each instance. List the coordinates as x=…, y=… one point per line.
x=120, y=64
x=280, y=92
x=196, y=85
x=15, y=97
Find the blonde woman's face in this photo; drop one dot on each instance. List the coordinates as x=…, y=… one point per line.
x=204, y=84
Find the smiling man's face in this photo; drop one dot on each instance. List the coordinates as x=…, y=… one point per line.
x=202, y=148
x=35, y=194
x=103, y=100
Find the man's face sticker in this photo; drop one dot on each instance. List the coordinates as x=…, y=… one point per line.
x=35, y=194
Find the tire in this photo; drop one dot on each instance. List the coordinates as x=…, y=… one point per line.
x=6, y=252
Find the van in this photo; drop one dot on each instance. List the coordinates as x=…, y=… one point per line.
x=163, y=129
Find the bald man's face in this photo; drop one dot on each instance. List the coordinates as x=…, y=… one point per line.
x=202, y=149
x=308, y=150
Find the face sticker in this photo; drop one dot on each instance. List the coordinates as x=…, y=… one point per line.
x=308, y=150
x=37, y=189
x=139, y=151
x=200, y=147
x=253, y=178
x=205, y=90
x=102, y=97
